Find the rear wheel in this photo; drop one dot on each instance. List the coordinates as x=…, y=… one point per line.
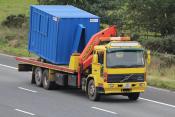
x=92, y=91
x=47, y=84
x=133, y=96
x=38, y=76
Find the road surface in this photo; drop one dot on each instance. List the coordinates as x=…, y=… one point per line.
x=19, y=98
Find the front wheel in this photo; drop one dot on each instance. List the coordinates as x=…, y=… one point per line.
x=92, y=91
x=133, y=96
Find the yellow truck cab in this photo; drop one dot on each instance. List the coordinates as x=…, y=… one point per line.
x=118, y=67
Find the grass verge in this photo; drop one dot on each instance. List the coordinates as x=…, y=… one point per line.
x=13, y=7
x=161, y=72
x=14, y=41
x=161, y=83
x=14, y=51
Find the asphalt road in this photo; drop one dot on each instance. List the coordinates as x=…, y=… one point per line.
x=19, y=98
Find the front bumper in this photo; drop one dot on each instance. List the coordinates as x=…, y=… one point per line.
x=121, y=88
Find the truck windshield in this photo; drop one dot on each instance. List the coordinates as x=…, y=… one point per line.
x=124, y=59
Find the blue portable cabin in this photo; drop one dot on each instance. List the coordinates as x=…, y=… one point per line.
x=56, y=31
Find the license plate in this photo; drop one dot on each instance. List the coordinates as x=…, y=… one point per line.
x=127, y=86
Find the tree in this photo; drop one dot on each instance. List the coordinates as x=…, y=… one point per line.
x=62, y=2
x=147, y=15
x=102, y=8
x=155, y=15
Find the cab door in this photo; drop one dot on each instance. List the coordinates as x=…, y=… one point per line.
x=97, y=65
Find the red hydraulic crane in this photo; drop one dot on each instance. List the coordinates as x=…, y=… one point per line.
x=86, y=55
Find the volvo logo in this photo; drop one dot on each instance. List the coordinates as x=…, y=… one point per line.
x=127, y=77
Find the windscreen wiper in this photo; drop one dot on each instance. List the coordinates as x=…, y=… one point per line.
x=118, y=66
x=136, y=65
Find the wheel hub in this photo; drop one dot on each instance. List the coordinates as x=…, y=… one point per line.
x=38, y=76
x=92, y=90
x=45, y=80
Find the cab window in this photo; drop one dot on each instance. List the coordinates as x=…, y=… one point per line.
x=100, y=57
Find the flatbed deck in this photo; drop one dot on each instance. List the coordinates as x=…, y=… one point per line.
x=35, y=62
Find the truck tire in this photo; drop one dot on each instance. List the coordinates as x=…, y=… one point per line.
x=46, y=83
x=92, y=91
x=38, y=76
x=133, y=96
x=33, y=77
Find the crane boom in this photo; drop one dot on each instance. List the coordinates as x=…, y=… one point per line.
x=95, y=40
x=85, y=58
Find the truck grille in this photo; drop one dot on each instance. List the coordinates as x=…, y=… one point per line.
x=118, y=78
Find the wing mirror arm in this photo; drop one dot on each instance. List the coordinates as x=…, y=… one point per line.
x=148, y=57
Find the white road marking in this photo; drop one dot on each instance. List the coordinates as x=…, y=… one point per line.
x=24, y=112
x=8, y=66
x=6, y=55
x=104, y=110
x=165, y=90
x=161, y=103
x=27, y=89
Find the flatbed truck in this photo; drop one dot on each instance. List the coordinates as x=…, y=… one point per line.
x=107, y=65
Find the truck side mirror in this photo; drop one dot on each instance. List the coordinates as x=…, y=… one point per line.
x=95, y=58
x=148, y=57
